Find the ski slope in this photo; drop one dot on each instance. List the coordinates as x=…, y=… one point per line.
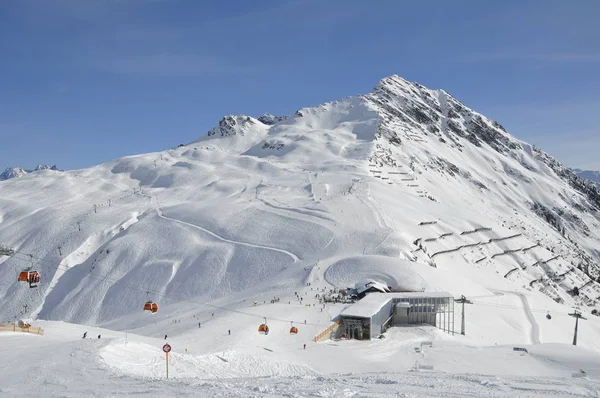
x=207, y=362
x=404, y=185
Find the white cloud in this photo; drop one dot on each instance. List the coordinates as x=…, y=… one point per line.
x=549, y=57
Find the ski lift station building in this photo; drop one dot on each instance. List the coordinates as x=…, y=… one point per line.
x=374, y=314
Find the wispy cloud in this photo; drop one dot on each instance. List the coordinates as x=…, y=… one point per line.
x=549, y=57
x=171, y=65
x=57, y=13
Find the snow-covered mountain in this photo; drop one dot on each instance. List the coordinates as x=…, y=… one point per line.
x=404, y=185
x=15, y=172
x=12, y=172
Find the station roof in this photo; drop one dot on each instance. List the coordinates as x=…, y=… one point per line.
x=366, y=285
x=374, y=302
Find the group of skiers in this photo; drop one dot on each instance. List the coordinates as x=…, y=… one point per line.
x=274, y=300
x=85, y=335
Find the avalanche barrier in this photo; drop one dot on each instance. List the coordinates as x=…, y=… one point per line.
x=475, y=230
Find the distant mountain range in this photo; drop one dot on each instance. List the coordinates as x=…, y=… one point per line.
x=15, y=172
x=589, y=175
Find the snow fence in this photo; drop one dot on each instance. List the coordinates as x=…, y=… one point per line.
x=13, y=327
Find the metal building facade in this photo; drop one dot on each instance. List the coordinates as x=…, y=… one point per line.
x=380, y=319
x=437, y=311
x=372, y=315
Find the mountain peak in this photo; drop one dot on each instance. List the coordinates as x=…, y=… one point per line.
x=12, y=172
x=394, y=80
x=269, y=119
x=16, y=172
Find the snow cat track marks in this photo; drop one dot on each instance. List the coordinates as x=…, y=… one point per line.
x=90, y=247
x=387, y=235
x=377, y=212
x=296, y=210
x=535, y=329
x=292, y=255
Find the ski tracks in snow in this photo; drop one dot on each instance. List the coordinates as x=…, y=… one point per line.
x=214, y=235
x=535, y=328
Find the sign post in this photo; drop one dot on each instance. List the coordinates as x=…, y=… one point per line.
x=166, y=349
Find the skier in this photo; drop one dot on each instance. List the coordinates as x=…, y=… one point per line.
x=229, y=332
x=305, y=346
x=198, y=324
x=98, y=336
x=165, y=336
x=84, y=335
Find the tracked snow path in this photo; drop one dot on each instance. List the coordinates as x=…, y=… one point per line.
x=86, y=250
x=535, y=329
x=235, y=242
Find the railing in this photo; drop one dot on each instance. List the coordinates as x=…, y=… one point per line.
x=327, y=332
x=13, y=327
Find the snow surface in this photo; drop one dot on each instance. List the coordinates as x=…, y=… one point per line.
x=405, y=185
x=208, y=362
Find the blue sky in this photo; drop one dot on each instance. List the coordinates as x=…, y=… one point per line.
x=87, y=81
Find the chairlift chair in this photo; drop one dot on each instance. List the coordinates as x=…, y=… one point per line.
x=31, y=277
x=151, y=306
x=263, y=328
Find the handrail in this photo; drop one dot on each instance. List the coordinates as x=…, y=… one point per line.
x=328, y=331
